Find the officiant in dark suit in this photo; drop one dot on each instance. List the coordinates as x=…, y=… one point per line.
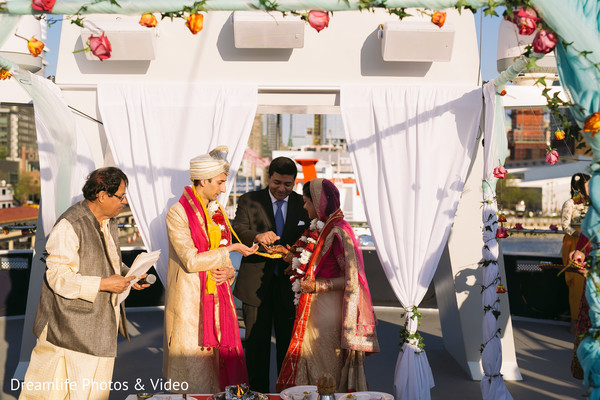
x=274, y=215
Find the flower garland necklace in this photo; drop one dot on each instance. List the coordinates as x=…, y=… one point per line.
x=217, y=217
x=303, y=251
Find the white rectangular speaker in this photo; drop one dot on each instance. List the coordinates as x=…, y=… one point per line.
x=416, y=41
x=261, y=30
x=128, y=41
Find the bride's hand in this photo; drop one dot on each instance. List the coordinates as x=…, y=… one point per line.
x=307, y=286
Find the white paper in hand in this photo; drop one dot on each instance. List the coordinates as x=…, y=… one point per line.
x=140, y=266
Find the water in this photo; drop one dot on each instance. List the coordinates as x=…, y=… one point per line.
x=543, y=245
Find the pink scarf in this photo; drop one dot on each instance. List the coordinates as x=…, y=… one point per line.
x=218, y=318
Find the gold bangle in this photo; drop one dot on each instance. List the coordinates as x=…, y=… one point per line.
x=324, y=286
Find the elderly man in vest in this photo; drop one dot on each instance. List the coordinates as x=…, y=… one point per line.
x=78, y=316
x=202, y=350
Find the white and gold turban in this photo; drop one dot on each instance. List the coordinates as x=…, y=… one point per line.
x=209, y=165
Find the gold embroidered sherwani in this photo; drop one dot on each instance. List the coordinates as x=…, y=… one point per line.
x=184, y=359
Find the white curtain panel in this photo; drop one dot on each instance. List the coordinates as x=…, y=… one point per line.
x=155, y=129
x=411, y=147
x=65, y=156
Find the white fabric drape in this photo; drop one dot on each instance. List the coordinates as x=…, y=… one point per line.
x=411, y=147
x=64, y=154
x=155, y=129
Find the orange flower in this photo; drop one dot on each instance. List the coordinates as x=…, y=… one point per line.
x=438, y=18
x=592, y=123
x=503, y=92
x=148, y=20
x=500, y=289
x=4, y=74
x=559, y=135
x=195, y=23
x=35, y=46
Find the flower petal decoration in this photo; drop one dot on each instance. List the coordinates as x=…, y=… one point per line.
x=544, y=41
x=4, y=74
x=43, y=5
x=148, y=20
x=519, y=226
x=501, y=233
x=501, y=218
x=100, y=46
x=500, y=172
x=439, y=18
x=552, y=157
x=526, y=20
x=318, y=19
x=35, y=46
x=559, y=135
x=195, y=23
x=503, y=92
x=500, y=289
x=592, y=123
x=553, y=227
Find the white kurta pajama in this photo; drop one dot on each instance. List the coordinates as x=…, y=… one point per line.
x=55, y=372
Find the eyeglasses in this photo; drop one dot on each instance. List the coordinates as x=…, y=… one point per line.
x=121, y=198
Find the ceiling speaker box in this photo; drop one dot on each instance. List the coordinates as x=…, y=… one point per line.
x=261, y=30
x=129, y=41
x=416, y=41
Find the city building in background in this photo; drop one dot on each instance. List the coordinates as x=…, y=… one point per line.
x=528, y=136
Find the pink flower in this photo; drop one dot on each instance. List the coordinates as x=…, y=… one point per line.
x=100, y=46
x=500, y=172
x=501, y=233
x=544, y=41
x=526, y=19
x=518, y=226
x=318, y=19
x=552, y=157
x=43, y=5
x=553, y=227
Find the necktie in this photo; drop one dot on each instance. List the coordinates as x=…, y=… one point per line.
x=279, y=222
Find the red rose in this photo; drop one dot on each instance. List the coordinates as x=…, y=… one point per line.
x=518, y=226
x=544, y=41
x=310, y=247
x=43, y=5
x=503, y=92
x=314, y=235
x=219, y=219
x=500, y=172
x=318, y=19
x=501, y=233
x=501, y=218
x=100, y=46
x=526, y=19
x=552, y=157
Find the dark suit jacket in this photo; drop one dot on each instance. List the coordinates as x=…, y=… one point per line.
x=254, y=215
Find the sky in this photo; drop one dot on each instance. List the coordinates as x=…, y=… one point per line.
x=489, y=37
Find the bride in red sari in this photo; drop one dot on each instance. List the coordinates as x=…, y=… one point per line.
x=335, y=324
